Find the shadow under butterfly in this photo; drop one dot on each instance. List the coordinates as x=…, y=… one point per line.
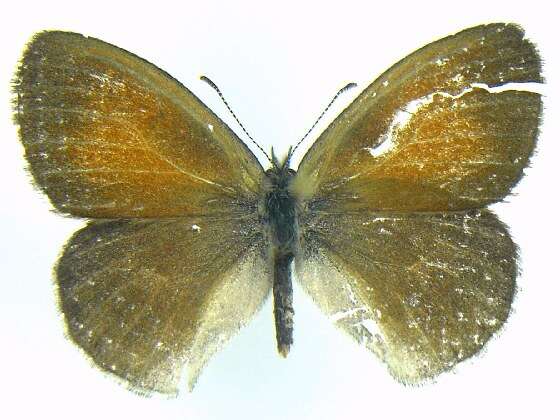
x=385, y=217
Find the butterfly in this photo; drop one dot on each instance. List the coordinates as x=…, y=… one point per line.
x=385, y=222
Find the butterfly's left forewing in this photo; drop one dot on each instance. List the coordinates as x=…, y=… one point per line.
x=431, y=133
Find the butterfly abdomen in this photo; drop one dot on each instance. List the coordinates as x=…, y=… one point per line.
x=280, y=220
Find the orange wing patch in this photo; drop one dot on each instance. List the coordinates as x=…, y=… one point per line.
x=430, y=134
x=109, y=135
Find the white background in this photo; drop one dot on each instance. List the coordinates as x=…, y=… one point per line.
x=278, y=64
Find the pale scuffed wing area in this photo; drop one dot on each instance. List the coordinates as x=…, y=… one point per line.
x=240, y=294
x=402, y=117
x=331, y=289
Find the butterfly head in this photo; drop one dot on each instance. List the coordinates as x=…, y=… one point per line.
x=280, y=173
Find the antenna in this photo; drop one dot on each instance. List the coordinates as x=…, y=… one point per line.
x=213, y=86
x=344, y=89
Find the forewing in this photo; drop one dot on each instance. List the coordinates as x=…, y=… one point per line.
x=107, y=134
x=423, y=291
x=432, y=133
x=142, y=297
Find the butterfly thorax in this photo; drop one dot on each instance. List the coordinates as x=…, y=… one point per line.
x=280, y=221
x=279, y=211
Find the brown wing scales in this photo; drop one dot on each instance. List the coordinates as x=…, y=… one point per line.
x=143, y=298
x=422, y=291
x=392, y=249
x=110, y=135
x=430, y=134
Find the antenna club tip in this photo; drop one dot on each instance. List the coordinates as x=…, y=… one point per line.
x=210, y=82
x=349, y=86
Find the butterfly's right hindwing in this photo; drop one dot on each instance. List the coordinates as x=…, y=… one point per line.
x=142, y=298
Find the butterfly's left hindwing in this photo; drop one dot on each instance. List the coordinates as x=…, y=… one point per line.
x=142, y=298
x=423, y=291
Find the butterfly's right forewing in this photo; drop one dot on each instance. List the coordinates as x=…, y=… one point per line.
x=107, y=134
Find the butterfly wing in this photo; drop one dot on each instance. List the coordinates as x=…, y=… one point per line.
x=392, y=246
x=143, y=297
x=107, y=134
x=422, y=291
x=431, y=133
